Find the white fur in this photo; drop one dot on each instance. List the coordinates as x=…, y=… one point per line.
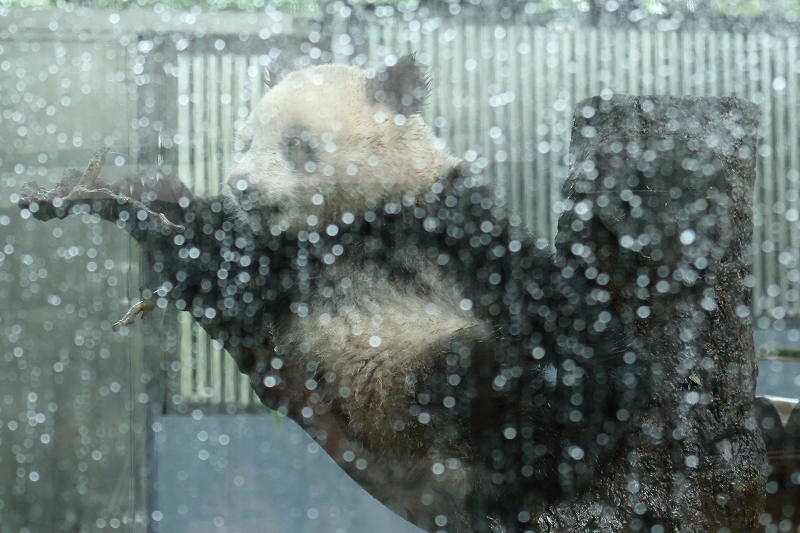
x=364, y=151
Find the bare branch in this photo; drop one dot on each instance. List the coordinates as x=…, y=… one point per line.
x=95, y=165
x=136, y=309
x=87, y=189
x=106, y=194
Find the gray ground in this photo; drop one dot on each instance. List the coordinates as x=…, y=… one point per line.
x=248, y=474
x=778, y=377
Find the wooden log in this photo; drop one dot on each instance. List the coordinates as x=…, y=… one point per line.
x=658, y=207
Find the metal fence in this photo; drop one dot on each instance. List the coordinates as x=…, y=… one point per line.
x=503, y=95
x=213, y=92
x=509, y=92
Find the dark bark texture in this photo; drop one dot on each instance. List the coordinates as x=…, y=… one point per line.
x=659, y=200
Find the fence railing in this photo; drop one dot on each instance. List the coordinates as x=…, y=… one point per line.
x=526, y=82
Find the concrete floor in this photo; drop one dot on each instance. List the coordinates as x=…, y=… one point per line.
x=779, y=377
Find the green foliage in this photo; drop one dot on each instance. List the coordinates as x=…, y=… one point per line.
x=742, y=8
x=781, y=352
x=735, y=8
x=288, y=6
x=276, y=416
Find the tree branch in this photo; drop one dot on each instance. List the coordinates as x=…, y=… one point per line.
x=86, y=188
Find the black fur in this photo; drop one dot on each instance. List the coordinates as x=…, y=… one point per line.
x=402, y=86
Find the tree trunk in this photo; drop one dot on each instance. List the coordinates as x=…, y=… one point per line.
x=659, y=201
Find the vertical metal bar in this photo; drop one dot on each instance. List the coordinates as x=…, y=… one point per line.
x=662, y=62
x=648, y=76
x=542, y=176
x=255, y=81
x=498, y=115
x=741, y=70
x=212, y=124
x=687, y=62
x=405, y=40
x=246, y=393
x=712, y=73
x=388, y=39
x=727, y=54
x=792, y=218
x=699, y=72
x=483, y=116
x=416, y=40
x=454, y=105
x=374, y=40
x=337, y=50
x=513, y=136
x=240, y=89
x=427, y=51
x=563, y=104
x=592, y=62
x=461, y=84
x=464, y=84
x=549, y=115
x=621, y=60
x=555, y=78
x=185, y=173
x=393, y=36
x=184, y=120
x=252, y=397
x=440, y=78
x=186, y=355
x=469, y=101
x=229, y=373
x=215, y=371
x=779, y=156
x=767, y=177
x=772, y=178
x=198, y=183
x=201, y=359
x=606, y=56
x=226, y=113
x=747, y=46
x=674, y=64
x=635, y=56
x=528, y=84
x=580, y=64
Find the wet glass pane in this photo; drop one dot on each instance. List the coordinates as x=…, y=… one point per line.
x=446, y=265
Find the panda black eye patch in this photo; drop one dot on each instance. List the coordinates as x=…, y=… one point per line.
x=297, y=148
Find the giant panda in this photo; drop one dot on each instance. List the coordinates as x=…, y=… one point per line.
x=458, y=371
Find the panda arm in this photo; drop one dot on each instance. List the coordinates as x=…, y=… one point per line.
x=221, y=271
x=544, y=310
x=503, y=272
x=545, y=301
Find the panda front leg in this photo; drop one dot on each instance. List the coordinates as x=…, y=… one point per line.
x=394, y=414
x=420, y=429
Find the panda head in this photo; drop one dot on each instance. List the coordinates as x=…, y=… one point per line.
x=328, y=140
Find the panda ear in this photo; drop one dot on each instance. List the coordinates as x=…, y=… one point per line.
x=274, y=72
x=403, y=86
x=270, y=76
